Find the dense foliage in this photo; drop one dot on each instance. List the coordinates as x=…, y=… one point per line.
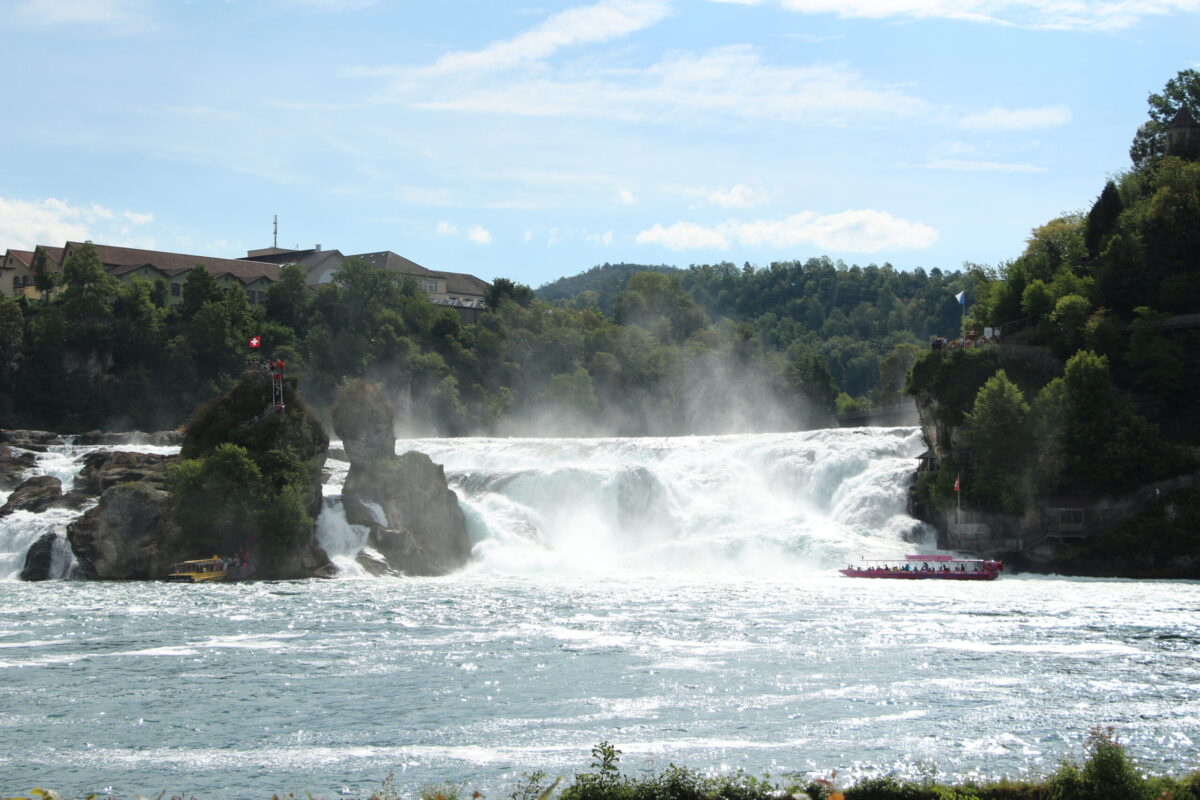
x=1107, y=293
x=248, y=481
x=657, y=351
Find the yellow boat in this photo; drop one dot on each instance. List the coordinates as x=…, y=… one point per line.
x=198, y=571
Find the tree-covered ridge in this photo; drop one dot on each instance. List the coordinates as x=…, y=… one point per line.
x=710, y=349
x=1114, y=294
x=867, y=323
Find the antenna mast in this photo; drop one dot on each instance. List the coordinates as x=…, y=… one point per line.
x=275, y=239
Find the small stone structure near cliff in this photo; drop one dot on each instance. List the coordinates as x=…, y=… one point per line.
x=416, y=525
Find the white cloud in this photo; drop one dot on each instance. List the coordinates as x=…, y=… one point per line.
x=479, y=235
x=25, y=224
x=138, y=219
x=742, y=195
x=601, y=22
x=731, y=81
x=605, y=238
x=855, y=231
x=1018, y=119
x=446, y=229
x=1097, y=15
x=101, y=16
x=627, y=197
x=684, y=236
x=527, y=236
x=959, y=165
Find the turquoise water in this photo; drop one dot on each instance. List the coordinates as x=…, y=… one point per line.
x=245, y=690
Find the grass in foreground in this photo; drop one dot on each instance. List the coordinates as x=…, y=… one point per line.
x=1106, y=773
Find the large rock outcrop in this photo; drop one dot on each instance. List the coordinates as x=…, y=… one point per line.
x=34, y=495
x=103, y=469
x=127, y=536
x=288, y=447
x=39, y=558
x=415, y=522
x=13, y=466
x=130, y=534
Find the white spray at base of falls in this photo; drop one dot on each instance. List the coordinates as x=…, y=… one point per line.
x=762, y=503
x=21, y=529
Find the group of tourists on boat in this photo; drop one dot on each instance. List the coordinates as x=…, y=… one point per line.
x=930, y=566
x=961, y=566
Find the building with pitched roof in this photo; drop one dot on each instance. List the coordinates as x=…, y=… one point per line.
x=1182, y=135
x=127, y=263
x=16, y=272
x=319, y=265
x=460, y=291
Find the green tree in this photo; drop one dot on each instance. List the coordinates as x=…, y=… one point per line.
x=1070, y=316
x=503, y=288
x=1037, y=301
x=996, y=428
x=997, y=432
x=290, y=301
x=1102, y=219
x=12, y=335
x=199, y=287
x=44, y=280
x=1182, y=91
x=217, y=501
x=89, y=290
x=808, y=379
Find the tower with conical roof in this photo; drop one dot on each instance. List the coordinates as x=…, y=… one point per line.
x=1182, y=135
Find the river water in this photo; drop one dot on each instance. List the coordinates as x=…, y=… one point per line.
x=676, y=597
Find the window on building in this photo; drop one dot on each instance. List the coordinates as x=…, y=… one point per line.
x=176, y=290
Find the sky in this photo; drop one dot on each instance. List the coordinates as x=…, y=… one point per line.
x=534, y=140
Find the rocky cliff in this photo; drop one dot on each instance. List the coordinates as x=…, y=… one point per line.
x=246, y=437
x=415, y=522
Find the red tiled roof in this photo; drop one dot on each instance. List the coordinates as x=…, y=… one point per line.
x=389, y=261
x=120, y=260
x=54, y=256
x=456, y=282
x=22, y=257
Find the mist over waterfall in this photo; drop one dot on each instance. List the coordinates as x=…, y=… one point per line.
x=739, y=504
x=704, y=504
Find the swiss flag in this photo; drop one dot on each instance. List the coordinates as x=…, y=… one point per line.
x=255, y=342
x=956, y=477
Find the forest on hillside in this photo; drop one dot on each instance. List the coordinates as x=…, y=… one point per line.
x=709, y=349
x=1113, y=295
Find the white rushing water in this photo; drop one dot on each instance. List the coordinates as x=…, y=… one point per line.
x=677, y=597
x=761, y=503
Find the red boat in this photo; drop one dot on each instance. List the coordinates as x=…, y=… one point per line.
x=946, y=568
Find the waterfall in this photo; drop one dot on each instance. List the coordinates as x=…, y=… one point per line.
x=756, y=504
x=21, y=529
x=703, y=504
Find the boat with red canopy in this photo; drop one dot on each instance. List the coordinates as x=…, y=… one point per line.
x=918, y=567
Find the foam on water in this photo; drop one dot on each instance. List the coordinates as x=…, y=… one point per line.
x=772, y=502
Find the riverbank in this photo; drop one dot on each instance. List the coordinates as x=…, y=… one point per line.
x=1106, y=771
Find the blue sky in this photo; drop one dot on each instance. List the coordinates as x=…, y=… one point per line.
x=533, y=140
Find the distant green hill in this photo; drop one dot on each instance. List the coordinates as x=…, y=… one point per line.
x=606, y=280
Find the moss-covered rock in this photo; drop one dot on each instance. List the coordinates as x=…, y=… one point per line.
x=249, y=482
